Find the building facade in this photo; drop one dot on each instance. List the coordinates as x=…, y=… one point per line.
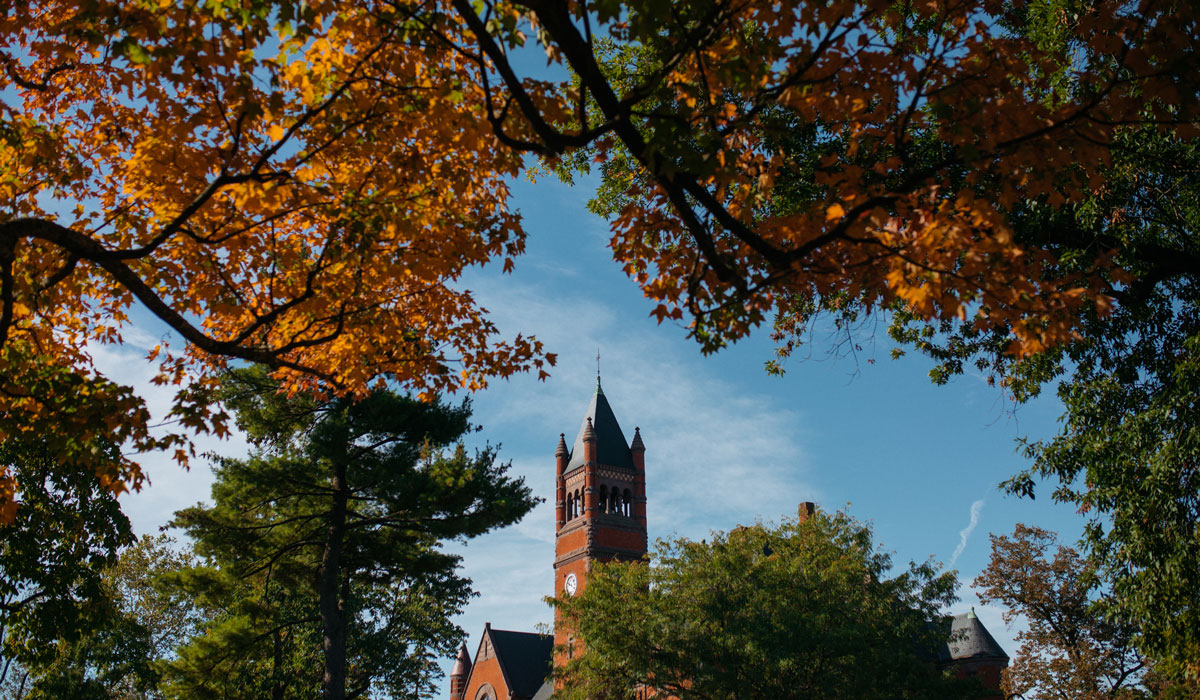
x=600, y=516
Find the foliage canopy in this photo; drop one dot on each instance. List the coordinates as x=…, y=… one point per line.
x=59, y=623
x=300, y=183
x=322, y=549
x=292, y=183
x=799, y=610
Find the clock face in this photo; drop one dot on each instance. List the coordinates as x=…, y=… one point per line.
x=571, y=584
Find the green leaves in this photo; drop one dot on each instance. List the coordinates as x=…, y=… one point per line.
x=379, y=483
x=59, y=620
x=802, y=609
x=1127, y=452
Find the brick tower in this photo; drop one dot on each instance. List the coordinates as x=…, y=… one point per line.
x=600, y=500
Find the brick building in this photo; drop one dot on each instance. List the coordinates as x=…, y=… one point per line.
x=600, y=515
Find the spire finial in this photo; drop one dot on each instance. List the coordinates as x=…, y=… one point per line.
x=599, y=390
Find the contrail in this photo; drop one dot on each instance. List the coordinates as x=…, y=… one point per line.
x=966, y=531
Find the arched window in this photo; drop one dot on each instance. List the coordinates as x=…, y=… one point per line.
x=614, y=502
x=628, y=503
x=578, y=504
x=604, y=499
x=570, y=507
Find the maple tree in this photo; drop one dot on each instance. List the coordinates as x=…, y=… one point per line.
x=292, y=183
x=931, y=120
x=298, y=183
x=1126, y=453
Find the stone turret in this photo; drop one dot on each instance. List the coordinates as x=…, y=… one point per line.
x=460, y=673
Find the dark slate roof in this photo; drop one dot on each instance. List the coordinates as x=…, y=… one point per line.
x=526, y=659
x=969, y=639
x=545, y=692
x=611, y=448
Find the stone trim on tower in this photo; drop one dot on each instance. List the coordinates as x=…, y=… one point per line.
x=602, y=483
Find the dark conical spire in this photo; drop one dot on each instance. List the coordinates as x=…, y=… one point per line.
x=970, y=639
x=637, y=445
x=562, y=446
x=589, y=431
x=611, y=447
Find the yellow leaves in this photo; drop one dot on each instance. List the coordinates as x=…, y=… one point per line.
x=834, y=212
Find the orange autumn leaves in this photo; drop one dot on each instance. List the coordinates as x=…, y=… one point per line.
x=303, y=183
x=299, y=184
x=704, y=229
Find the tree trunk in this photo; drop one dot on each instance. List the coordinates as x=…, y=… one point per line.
x=277, y=685
x=333, y=620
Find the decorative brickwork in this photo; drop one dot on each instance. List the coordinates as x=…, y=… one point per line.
x=601, y=501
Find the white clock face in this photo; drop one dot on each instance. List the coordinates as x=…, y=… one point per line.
x=571, y=584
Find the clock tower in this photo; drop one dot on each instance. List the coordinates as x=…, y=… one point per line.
x=600, y=501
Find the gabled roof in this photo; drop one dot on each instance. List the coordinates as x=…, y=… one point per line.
x=526, y=659
x=969, y=639
x=611, y=448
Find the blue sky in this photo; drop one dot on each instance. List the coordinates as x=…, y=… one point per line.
x=726, y=444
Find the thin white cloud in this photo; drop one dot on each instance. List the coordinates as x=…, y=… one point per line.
x=965, y=533
x=170, y=487
x=716, y=455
